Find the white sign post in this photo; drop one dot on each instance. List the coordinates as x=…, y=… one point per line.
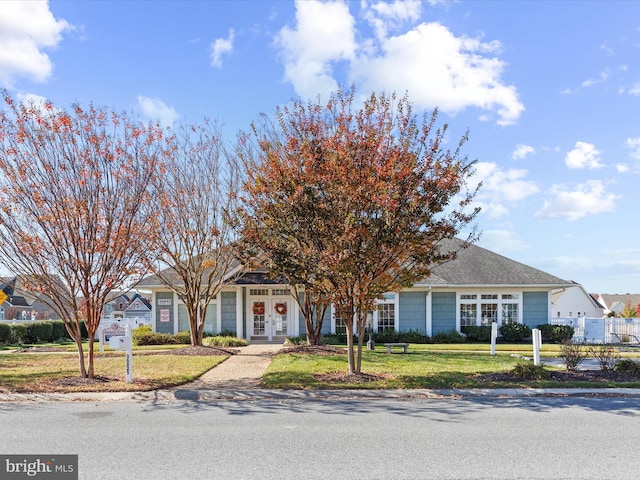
x=124, y=343
x=494, y=337
x=536, y=337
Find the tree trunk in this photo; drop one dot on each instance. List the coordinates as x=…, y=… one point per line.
x=314, y=332
x=83, y=369
x=92, y=337
x=350, y=352
x=362, y=322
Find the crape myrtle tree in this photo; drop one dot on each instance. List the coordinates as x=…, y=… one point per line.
x=195, y=205
x=354, y=197
x=71, y=195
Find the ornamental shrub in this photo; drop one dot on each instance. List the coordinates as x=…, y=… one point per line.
x=474, y=333
x=627, y=365
x=452, y=336
x=18, y=334
x=225, y=332
x=5, y=333
x=607, y=355
x=414, y=336
x=572, y=354
x=182, y=337
x=515, y=332
x=555, y=333
x=225, y=341
x=39, y=332
x=59, y=331
x=529, y=371
x=385, y=336
x=299, y=340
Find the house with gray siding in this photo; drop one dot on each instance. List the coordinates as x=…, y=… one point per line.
x=479, y=287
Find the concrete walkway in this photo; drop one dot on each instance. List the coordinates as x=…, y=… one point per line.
x=241, y=371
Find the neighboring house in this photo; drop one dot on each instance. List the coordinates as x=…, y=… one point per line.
x=17, y=306
x=139, y=307
x=127, y=304
x=477, y=288
x=116, y=305
x=615, y=303
x=574, y=301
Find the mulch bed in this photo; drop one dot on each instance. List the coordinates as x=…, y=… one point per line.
x=81, y=381
x=313, y=350
x=593, y=376
x=194, y=351
x=338, y=377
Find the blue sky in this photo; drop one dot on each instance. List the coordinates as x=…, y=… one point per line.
x=549, y=91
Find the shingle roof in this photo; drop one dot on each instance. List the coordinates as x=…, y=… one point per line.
x=477, y=266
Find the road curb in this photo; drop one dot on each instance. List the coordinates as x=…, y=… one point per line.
x=199, y=395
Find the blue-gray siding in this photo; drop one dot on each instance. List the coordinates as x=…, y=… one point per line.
x=228, y=311
x=535, y=308
x=164, y=327
x=443, y=308
x=413, y=312
x=326, y=322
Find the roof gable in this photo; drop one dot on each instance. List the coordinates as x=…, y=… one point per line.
x=477, y=266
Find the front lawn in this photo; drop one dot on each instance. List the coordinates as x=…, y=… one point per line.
x=425, y=366
x=59, y=372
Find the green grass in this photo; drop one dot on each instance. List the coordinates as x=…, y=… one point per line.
x=426, y=366
x=49, y=372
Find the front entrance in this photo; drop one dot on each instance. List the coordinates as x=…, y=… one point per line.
x=271, y=319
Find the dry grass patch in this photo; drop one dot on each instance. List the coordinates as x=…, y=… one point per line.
x=49, y=373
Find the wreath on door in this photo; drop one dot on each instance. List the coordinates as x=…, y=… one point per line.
x=281, y=308
x=258, y=308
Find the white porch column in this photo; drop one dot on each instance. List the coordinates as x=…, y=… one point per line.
x=429, y=313
x=239, y=312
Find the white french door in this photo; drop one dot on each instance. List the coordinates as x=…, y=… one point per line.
x=271, y=318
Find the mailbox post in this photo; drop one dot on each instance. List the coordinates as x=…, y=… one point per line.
x=124, y=343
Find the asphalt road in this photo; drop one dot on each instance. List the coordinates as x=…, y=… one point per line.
x=483, y=438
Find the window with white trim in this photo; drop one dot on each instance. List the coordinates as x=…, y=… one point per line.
x=280, y=291
x=485, y=308
x=386, y=316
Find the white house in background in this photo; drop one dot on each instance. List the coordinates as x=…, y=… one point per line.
x=616, y=303
x=574, y=301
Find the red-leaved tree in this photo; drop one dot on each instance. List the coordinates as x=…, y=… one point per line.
x=352, y=199
x=71, y=222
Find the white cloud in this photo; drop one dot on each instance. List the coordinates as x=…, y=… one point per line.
x=604, y=75
x=583, y=155
x=384, y=16
x=633, y=144
x=26, y=29
x=436, y=68
x=324, y=33
x=635, y=89
x=439, y=69
x=622, y=168
x=156, y=110
x=501, y=188
x=522, y=151
x=220, y=47
x=589, y=198
x=502, y=241
x=29, y=98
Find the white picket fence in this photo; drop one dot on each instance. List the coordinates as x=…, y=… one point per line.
x=602, y=330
